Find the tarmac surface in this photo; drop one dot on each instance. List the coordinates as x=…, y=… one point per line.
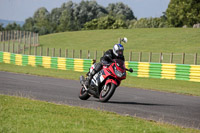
x=165, y=107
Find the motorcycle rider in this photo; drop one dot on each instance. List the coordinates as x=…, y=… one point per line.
x=109, y=55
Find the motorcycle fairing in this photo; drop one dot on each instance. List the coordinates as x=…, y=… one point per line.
x=97, y=79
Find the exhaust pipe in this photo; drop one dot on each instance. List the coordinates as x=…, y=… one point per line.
x=92, y=92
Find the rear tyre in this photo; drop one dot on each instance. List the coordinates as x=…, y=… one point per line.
x=83, y=94
x=107, y=93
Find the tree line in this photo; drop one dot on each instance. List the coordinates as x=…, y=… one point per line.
x=89, y=15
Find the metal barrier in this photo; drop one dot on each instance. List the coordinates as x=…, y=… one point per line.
x=141, y=69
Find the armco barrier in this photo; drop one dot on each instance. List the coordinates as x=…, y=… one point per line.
x=141, y=69
x=81, y=65
x=165, y=71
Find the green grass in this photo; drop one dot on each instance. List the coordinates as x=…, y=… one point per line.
x=175, y=86
x=156, y=40
x=177, y=40
x=145, y=40
x=25, y=115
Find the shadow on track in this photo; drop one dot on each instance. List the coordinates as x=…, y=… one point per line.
x=136, y=103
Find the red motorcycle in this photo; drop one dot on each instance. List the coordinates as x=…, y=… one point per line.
x=105, y=82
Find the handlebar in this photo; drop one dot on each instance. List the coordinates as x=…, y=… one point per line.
x=130, y=70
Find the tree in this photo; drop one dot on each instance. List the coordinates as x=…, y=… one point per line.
x=13, y=26
x=148, y=23
x=183, y=12
x=71, y=16
x=67, y=20
x=29, y=24
x=55, y=15
x=108, y=22
x=1, y=27
x=119, y=24
x=41, y=18
x=55, y=18
x=87, y=11
x=121, y=11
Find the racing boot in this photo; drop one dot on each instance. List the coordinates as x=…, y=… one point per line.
x=87, y=82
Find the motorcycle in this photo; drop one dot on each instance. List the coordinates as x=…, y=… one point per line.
x=105, y=82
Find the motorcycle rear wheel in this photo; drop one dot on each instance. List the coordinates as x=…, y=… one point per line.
x=83, y=94
x=107, y=93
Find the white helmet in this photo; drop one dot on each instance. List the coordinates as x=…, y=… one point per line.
x=118, y=50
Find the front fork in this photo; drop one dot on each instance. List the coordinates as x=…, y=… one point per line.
x=90, y=91
x=82, y=81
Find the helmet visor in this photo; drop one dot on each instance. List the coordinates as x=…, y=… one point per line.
x=119, y=52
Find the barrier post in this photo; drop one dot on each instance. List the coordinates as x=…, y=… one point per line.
x=8, y=47
x=161, y=58
x=0, y=36
x=171, y=58
x=11, y=36
x=73, y=53
x=66, y=53
x=13, y=49
x=8, y=40
x=53, y=52
x=29, y=49
x=80, y=54
x=24, y=49
x=24, y=37
x=119, y=41
x=95, y=57
x=37, y=39
x=140, y=56
x=60, y=52
x=88, y=54
x=20, y=35
x=29, y=38
x=150, y=56
x=6, y=35
x=35, y=50
x=195, y=59
x=103, y=53
x=3, y=46
x=34, y=39
x=3, y=36
x=130, y=56
x=47, y=52
x=14, y=32
x=183, y=58
x=41, y=51
x=18, y=48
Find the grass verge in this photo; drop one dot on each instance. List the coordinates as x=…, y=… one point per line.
x=145, y=40
x=175, y=86
x=25, y=115
x=140, y=39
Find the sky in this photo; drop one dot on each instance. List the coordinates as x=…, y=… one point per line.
x=19, y=10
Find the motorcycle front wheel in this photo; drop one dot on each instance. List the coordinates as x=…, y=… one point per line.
x=107, y=92
x=83, y=94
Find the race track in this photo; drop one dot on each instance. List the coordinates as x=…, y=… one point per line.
x=160, y=106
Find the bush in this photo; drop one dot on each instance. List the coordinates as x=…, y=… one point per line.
x=148, y=23
x=108, y=22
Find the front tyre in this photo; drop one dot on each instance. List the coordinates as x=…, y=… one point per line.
x=107, y=92
x=83, y=94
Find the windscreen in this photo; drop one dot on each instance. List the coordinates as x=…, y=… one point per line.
x=120, y=63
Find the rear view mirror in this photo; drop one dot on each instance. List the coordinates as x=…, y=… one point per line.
x=125, y=40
